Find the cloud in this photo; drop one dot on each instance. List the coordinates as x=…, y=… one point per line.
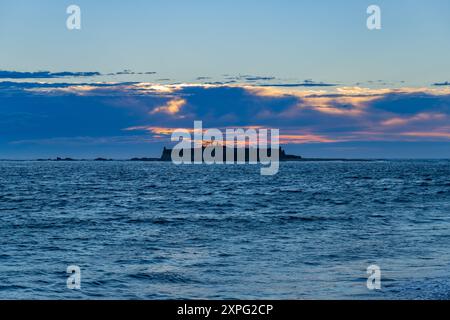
x=289, y=136
x=250, y=78
x=83, y=141
x=130, y=72
x=299, y=84
x=53, y=113
x=4, y=74
x=45, y=74
x=303, y=138
x=446, y=83
x=271, y=81
x=398, y=121
x=156, y=130
x=172, y=107
x=443, y=135
x=257, y=78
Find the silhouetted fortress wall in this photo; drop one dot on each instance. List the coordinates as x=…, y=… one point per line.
x=167, y=154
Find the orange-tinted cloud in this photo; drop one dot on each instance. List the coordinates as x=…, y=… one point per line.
x=304, y=138
x=155, y=130
x=172, y=107
x=399, y=121
x=445, y=135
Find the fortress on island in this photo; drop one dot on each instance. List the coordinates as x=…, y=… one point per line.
x=167, y=153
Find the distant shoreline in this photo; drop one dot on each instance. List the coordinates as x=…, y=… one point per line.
x=166, y=156
x=297, y=160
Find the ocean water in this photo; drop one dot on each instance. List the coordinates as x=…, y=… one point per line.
x=159, y=231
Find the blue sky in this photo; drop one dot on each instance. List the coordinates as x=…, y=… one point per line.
x=181, y=40
x=286, y=64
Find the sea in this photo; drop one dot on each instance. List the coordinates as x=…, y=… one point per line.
x=154, y=230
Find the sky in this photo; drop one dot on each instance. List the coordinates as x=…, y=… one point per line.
x=139, y=69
